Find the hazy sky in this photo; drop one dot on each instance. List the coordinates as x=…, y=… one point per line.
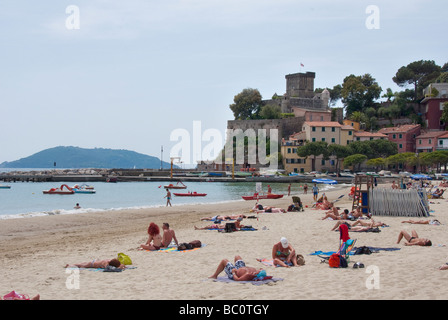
x=126, y=74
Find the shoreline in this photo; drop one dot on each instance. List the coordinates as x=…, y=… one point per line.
x=36, y=249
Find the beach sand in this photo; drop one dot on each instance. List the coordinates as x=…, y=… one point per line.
x=35, y=251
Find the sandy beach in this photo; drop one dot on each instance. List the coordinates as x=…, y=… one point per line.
x=35, y=251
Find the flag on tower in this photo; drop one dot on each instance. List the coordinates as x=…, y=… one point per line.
x=301, y=64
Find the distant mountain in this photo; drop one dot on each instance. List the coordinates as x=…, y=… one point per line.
x=74, y=157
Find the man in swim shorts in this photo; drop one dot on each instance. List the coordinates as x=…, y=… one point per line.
x=237, y=271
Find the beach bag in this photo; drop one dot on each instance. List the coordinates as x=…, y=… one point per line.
x=334, y=260
x=363, y=250
x=124, y=259
x=342, y=262
x=300, y=260
x=196, y=244
x=230, y=227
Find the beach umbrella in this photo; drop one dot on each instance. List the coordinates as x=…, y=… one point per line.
x=420, y=176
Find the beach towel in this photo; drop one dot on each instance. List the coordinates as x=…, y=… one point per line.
x=265, y=280
x=174, y=249
x=107, y=269
x=326, y=253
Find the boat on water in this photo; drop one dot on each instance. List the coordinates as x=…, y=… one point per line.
x=83, y=189
x=179, y=185
x=324, y=181
x=4, y=186
x=257, y=196
x=60, y=190
x=190, y=194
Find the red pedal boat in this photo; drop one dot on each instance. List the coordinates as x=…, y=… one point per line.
x=60, y=190
x=257, y=196
x=190, y=194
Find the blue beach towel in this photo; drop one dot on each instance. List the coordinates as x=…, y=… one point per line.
x=256, y=282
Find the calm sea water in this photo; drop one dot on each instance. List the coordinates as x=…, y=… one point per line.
x=26, y=199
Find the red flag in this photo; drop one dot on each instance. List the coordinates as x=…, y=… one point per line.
x=301, y=64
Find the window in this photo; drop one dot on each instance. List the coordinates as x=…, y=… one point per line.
x=394, y=136
x=323, y=139
x=419, y=141
x=323, y=129
x=333, y=129
x=313, y=140
x=323, y=162
x=429, y=141
x=313, y=129
x=400, y=136
x=333, y=140
x=321, y=118
x=350, y=132
x=400, y=146
x=289, y=150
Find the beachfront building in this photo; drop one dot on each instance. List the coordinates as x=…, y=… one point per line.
x=436, y=94
x=331, y=132
x=442, y=141
x=356, y=125
x=367, y=136
x=429, y=141
x=404, y=136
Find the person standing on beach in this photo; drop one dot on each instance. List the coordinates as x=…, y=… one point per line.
x=305, y=189
x=289, y=189
x=315, y=192
x=168, y=198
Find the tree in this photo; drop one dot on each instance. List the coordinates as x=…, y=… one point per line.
x=355, y=159
x=247, y=104
x=381, y=148
x=359, y=92
x=444, y=116
x=270, y=111
x=418, y=73
x=377, y=163
x=313, y=149
x=339, y=152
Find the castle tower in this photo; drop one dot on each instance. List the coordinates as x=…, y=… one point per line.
x=300, y=85
x=325, y=97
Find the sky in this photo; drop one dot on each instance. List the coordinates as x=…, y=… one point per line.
x=131, y=74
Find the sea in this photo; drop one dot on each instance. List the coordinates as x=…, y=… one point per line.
x=26, y=199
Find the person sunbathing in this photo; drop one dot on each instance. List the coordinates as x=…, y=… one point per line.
x=155, y=241
x=413, y=239
x=283, y=254
x=432, y=222
x=221, y=217
x=359, y=225
x=270, y=210
x=238, y=225
x=237, y=271
x=98, y=264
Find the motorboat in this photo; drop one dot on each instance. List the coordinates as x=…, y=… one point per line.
x=190, y=194
x=257, y=196
x=2, y=186
x=60, y=190
x=83, y=189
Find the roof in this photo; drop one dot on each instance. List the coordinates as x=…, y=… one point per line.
x=403, y=128
x=347, y=127
x=444, y=136
x=323, y=124
x=369, y=134
x=431, y=134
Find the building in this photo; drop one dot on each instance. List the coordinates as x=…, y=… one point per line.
x=436, y=94
x=356, y=125
x=291, y=160
x=404, y=136
x=367, y=136
x=429, y=141
x=442, y=142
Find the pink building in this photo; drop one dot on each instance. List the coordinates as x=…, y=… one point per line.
x=428, y=141
x=404, y=136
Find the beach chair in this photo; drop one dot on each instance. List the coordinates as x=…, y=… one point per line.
x=436, y=196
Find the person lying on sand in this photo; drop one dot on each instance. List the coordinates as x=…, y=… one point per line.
x=413, y=239
x=271, y=210
x=238, y=225
x=444, y=267
x=432, y=221
x=359, y=225
x=220, y=217
x=237, y=271
x=101, y=264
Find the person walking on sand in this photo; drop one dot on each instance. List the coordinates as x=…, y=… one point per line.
x=168, y=198
x=168, y=235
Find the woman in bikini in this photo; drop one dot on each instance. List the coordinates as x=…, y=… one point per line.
x=413, y=239
x=155, y=237
x=284, y=254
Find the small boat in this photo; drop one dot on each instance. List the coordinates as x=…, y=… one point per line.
x=4, y=186
x=325, y=181
x=175, y=186
x=60, y=190
x=112, y=180
x=257, y=196
x=190, y=194
x=83, y=189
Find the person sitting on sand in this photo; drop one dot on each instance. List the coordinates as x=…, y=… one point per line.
x=334, y=214
x=238, y=225
x=324, y=204
x=237, y=271
x=284, y=254
x=413, y=239
x=168, y=235
x=154, y=242
x=99, y=264
x=432, y=222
